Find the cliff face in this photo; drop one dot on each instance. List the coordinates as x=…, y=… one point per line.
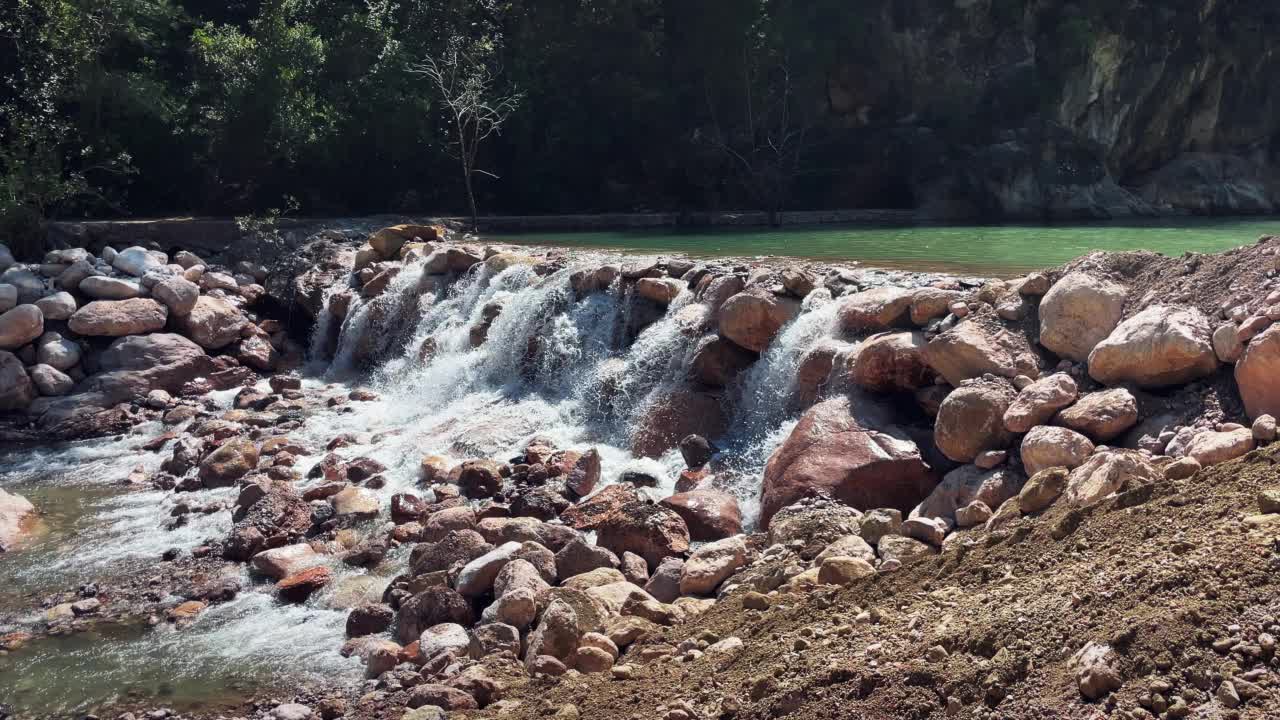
x=1048, y=110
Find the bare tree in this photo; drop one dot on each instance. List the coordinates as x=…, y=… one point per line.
x=767, y=145
x=476, y=107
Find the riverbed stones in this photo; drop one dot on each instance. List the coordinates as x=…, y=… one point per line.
x=279, y=563
x=101, y=287
x=8, y=297
x=1037, y=402
x=1256, y=374
x=831, y=450
x=50, y=381
x=16, y=518
x=432, y=606
x=557, y=634
x=476, y=577
x=298, y=587
x=17, y=391
x=136, y=261
x=1078, y=312
x=971, y=419
x=356, y=502
x=20, y=326
x=118, y=318
x=709, y=514
x=711, y=565
x=660, y=290
x=718, y=361
x=1158, y=347
x=753, y=317
x=178, y=294
x=875, y=310
x=230, y=462
x=1046, y=446
x=1108, y=472
x=1212, y=448
x=651, y=531
x=892, y=362
x=479, y=478
x=973, y=348
x=1103, y=415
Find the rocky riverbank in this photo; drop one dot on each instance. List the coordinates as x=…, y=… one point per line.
x=541, y=481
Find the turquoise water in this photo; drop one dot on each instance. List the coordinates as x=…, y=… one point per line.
x=1001, y=249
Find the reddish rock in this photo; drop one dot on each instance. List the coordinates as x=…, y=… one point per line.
x=457, y=547
x=891, y=362
x=406, y=508
x=971, y=420
x=717, y=361
x=588, y=514
x=300, y=586
x=585, y=474
x=814, y=372
x=1102, y=416
x=650, y=531
x=435, y=605
x=479, y=478
x=230, y=462
x=1256, y=374
x=709, y=514
x=680, y=413
x=830, y=451
x=973, y=348
x=875, y=310
x=690, y=479
x=752, y=318
x=1158, y=347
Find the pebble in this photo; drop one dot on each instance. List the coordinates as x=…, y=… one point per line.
x=291, y=711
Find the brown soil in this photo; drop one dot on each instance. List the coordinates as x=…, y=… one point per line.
x=1160, y=572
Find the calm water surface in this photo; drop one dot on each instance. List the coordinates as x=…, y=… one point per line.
x=1003, y=249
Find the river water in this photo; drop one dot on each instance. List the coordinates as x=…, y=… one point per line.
x=551, y=367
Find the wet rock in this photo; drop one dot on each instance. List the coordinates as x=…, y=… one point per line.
x=230, y=462
x=1256, y=372
x=479, y=478
x=1108, y=472
x=585, y=474
x=1037, y=402
x=456, y=547
x=659, y=290
x=892, y=362
x=709, y=514
x=1158, y=347
x=356, y=502
x=116, y=318
x=718, y=362
x=875, y=310
x=696, y=451
x=711, y=565
x=17, y=391
x=16, y=516
x=832, y=450
x=369, y=619
x=20, y=326
x=1078, y=312
x=298, y=587
x=650, y=531
x=675, y=415
x=1046, y=447
x=282, y=562
x=753, y=317
x=971, y=419
x=1211, y=448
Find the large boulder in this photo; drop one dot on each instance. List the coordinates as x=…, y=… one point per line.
x=971, y=419
x=1046, y=447
x=212, y=323
x=1211, y=448
x=1256, y=374
x=974, y=348
x=137, y=261
x=717, y=361
x=134, y=366
x=1103, y=416
x=20, y=326
x=101, y=287
x=875, y=310
x=830, y=450
x=16, y=388
x=710, y=514
x=1158, y=347
x=57, y=352
x=711, y=565
x=433, y=605
x=752, y=318
x=1037, y=402
x=1078, y=312
x=178, y=294
x=891, y=362
x=588, y=514
x=117, y=318
x=675, y=415
x=230, y=462
x=650, y=531
x=968, y=484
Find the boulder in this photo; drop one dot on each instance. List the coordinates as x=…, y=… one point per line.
x=50, y=381
x=369, y=619
x=929, y=303
x=477, y=577
x=1211, y=448
x=696, y=451
x=1046, y=447
x=660, y=290
x=753, y=317
x=891, y=362
x=875, y=310
x=965, y=485
x=840, y=570
x=1226, y=343
x=711, y=565
x=137, y=261
x=101, y=287
x=848, y=546
x=479, y=478
x=456, y=547
x=8, y=297
x=434, y=605
x=58, y=306
x=585, y=474
x=813, y=525
x=588, y=514
x=557, y=634
x=718, y=362
x=1108, y=472
x=300, y=586
x=20, y=326
x=1256, y=374
x=830, y=450
x=212, y=323
x=973, y=348
x=709, y=514
x=580, y=556
x=650, y=531
x=447, y=637
x=1078, y=312
x=1103, y=415
x=1037, y=402
x=518, y=574
x=675, y=415
x=282, y=562
x=664, y=583
x=971, y=419
x=57, y=352
x=230, y=462
x=356, y=502
x=1042, y=489
x=17, y=391
x=117, y=318
x=1096, y=669
x=16, y=519
x=904, y=550
x=1158, y=347
x=178, y=294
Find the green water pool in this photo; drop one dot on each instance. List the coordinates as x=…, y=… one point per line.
x=1000, y=249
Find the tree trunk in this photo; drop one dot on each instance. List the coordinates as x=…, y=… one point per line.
x=471, y=202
